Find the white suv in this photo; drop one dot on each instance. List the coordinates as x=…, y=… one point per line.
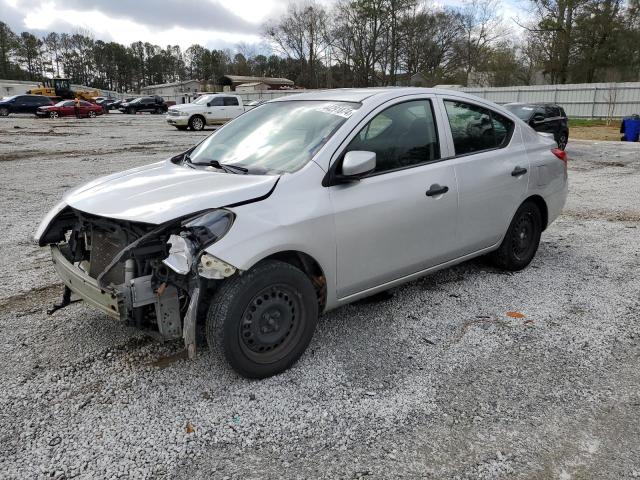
x=213, y=109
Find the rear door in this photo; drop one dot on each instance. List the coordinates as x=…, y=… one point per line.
x=232, y=107
x=20, y=105
x=492, y=170
x=401, y=218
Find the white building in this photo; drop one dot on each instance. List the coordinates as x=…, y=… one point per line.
x=176, y=91
x=15, y=87
x=251, y=87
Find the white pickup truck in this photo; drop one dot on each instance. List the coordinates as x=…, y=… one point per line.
x=211, y=109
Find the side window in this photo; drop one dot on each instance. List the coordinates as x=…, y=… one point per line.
x=475, y=128
x=216, y=102
x=230, y=101
x=402, y=135
x=85, y=104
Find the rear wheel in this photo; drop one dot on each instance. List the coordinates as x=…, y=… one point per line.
x=4, y=111
x=521, y=242
x=53, y=115
x=92, y=114
x=131, y=111
x=264, y=319
x=562, y=140
x=158, y=110
x=196, y=122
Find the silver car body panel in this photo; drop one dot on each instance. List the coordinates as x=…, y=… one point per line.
x=368, y=235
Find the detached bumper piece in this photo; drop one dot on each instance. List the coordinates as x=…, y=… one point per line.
x=84, y=286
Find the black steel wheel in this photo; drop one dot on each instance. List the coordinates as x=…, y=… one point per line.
x=264, y=319
x=521, y=241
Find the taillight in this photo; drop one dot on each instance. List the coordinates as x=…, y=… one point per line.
x=561, y=154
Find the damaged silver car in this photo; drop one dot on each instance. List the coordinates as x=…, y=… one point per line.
x=301, y=205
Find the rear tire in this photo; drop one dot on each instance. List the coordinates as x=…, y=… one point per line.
x=131, y=111
x=521, y=241
x=53, y=115
x=92, y=114
x=196, y=123
x=563, y=139
x=263, y=320
x=4, y=111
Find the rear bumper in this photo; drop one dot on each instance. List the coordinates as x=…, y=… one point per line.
x=84, y=286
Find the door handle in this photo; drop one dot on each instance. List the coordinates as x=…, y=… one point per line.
x=436, y=189
x=518, y=171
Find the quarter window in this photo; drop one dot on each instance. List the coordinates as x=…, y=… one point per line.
x=475, y=128
x=401, y=136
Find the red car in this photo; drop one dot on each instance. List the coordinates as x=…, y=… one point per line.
x=67, y=108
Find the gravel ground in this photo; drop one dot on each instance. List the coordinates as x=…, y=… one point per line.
x=435, y=382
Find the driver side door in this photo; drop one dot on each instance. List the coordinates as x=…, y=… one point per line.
x=401, y=218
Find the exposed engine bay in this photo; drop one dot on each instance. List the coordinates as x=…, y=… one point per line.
x=150, y=276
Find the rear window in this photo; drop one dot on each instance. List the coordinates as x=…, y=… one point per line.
x=475, y=129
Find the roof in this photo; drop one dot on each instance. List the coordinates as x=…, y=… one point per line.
x=361, y=94
x=252, y=84
x=170, y=84
x=267, y=80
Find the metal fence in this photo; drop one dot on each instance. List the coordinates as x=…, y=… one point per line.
x=580, y=100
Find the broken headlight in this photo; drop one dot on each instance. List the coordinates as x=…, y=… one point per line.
x=197, y=233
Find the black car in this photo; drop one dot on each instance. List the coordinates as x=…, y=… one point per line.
x=107, y=103
x=23, y=104
x=544, y=117
x=154, y=104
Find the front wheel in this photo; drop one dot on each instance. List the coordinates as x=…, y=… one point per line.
x=263, y=320
x=196, y=123
x=520, y=244
x=131, y=111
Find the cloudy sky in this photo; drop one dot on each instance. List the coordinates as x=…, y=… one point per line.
x=212, y=23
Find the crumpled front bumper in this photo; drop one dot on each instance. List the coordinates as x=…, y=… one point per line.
x=85, y=286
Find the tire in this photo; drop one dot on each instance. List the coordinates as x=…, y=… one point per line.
x=92, y=114
x=562, y=140
x=131, y=111
x=197, y=122
x=4, y=112
x=249, y=313
x=53, y=115
x=521, y=241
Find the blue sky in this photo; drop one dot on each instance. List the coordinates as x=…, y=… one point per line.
x=184, y=22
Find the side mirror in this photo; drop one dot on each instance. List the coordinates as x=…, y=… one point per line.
x=538, y=118
x=357, y=163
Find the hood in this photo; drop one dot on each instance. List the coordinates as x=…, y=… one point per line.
x=163, y=191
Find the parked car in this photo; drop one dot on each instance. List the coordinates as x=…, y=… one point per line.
x=118, y=103
x=22, y=104
x=106, y=103
x=302, y=205
x=545, y=118
x=213, y=109
x=67, y=108
x=154, y=104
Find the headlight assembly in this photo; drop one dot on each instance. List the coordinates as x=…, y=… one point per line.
x=197, y=234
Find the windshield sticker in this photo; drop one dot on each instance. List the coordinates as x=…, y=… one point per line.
x=336, y=109
x=527, y=108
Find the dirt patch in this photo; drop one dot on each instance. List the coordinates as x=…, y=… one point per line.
x=596, y=132
x=610, y=216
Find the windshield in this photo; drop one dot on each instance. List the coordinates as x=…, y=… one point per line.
x=136, y=100
x=522, y=111
x=64, y=103
x=6, y=99
x=275, y=137
x=202, y=100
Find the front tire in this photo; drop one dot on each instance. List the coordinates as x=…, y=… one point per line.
x=263, y=320
x=520, y=244
x=131, y=111
x=196, y=123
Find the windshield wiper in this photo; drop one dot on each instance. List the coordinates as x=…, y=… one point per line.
x=227, y=167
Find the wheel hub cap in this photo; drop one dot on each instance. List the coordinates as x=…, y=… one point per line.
x=268, y=320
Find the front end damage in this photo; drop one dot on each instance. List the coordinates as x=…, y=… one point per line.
x=150, y=276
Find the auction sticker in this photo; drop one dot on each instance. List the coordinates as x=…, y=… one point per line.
x=338, y=109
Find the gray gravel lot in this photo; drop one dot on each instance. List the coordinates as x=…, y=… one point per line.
x=435, y=382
